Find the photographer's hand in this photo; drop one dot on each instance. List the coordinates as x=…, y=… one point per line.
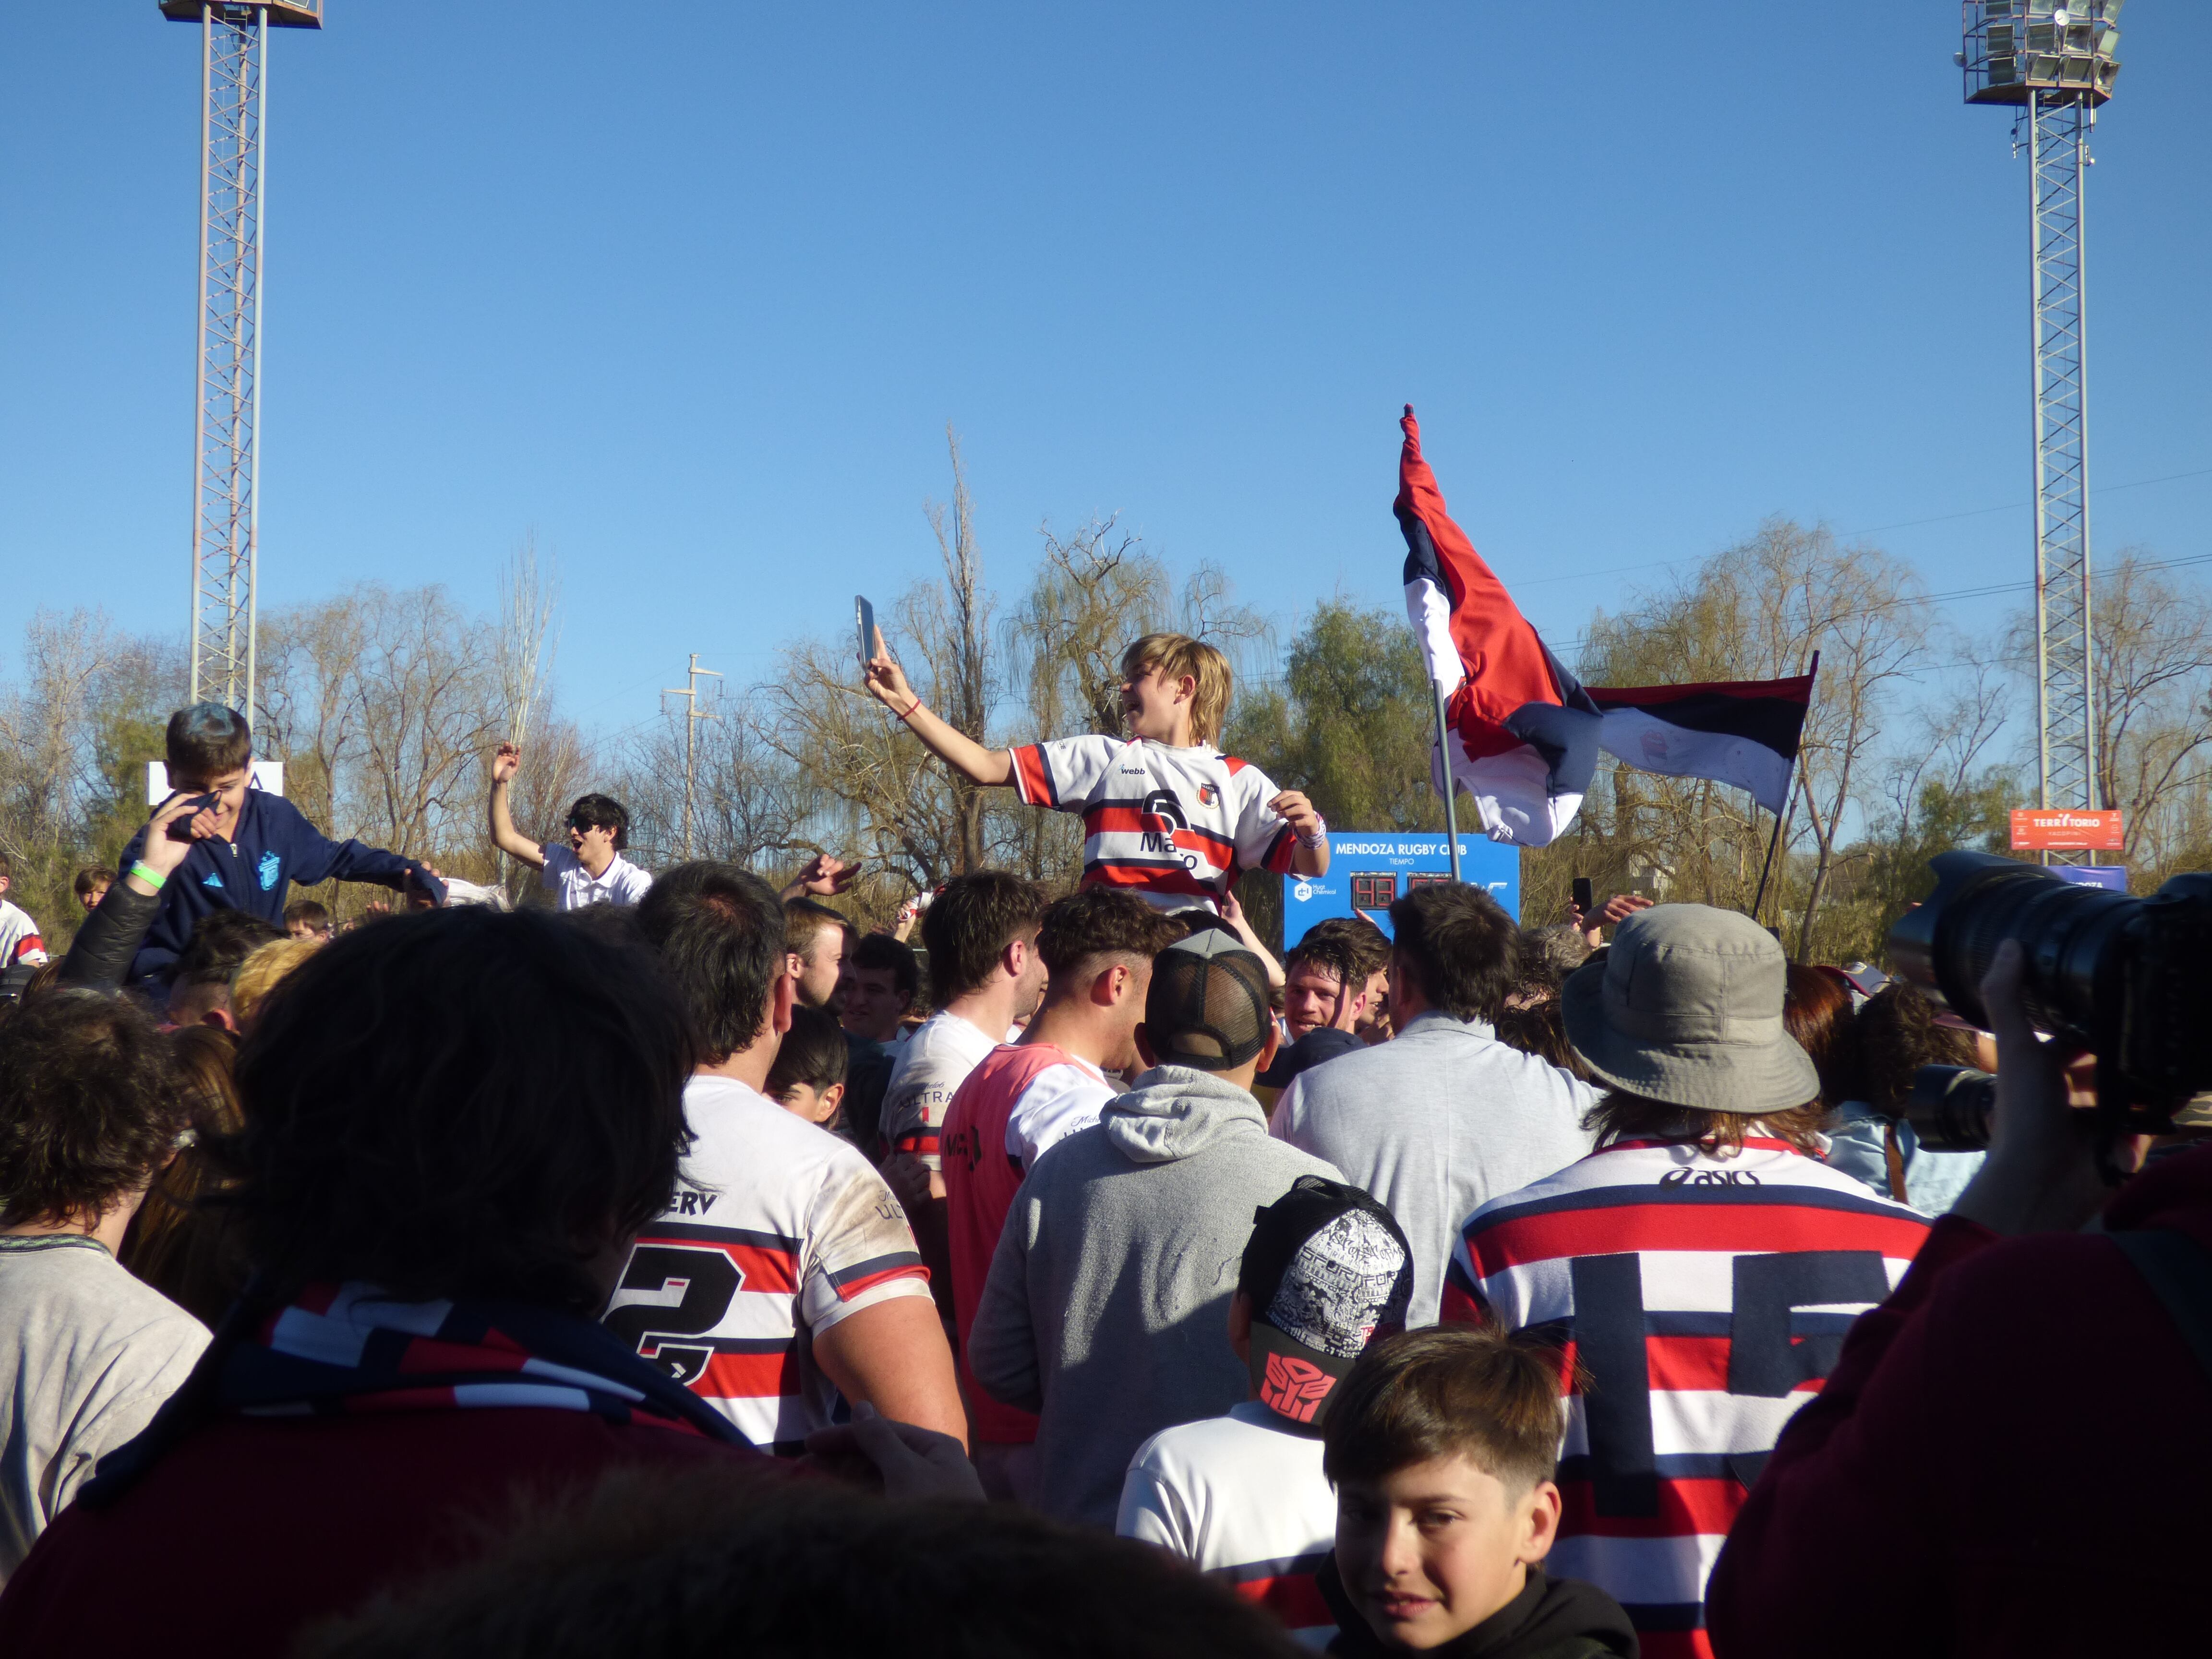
x=2041, y=1173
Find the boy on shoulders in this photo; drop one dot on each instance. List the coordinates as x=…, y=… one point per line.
x=1166, y=814
x=587, y=869
x=248, y=845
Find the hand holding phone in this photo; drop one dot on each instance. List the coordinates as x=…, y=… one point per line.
x=1585, y=896
x=886, y=685
x=864, y=616
x=181, y=827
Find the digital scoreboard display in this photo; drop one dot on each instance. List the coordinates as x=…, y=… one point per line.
x=1368, y=873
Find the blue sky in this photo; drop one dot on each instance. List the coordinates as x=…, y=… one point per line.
x=692, y=292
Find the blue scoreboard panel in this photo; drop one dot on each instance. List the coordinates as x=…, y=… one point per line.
x=1368, y=873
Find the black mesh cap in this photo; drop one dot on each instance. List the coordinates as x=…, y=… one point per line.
x=1207, y=1006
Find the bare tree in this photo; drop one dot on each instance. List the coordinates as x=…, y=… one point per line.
x=2154, y=706
x=1759, y=610
x=952, y=626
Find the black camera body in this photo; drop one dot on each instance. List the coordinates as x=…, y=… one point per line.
x=2127, y=979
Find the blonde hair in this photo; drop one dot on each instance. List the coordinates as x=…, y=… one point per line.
x=1176, y=655
x=257, y=975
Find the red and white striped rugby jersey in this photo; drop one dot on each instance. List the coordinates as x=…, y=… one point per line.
x=931, y=1066
x=1705, y=1299
x=19, y=936
x=1173, y=826
x=779, y=1230
x=1241, y=1498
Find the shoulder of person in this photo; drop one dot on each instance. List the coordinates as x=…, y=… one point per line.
x=273, y=809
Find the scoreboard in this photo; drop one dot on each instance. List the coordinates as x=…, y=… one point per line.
x=1368, y=873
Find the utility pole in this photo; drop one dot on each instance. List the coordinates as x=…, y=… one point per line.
x=227, y=432
x=691, y=719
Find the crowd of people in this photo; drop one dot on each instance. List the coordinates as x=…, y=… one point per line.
x=673, y=1265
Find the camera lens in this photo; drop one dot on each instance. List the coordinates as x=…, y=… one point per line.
x=1950, y=1108
x=1947, y=943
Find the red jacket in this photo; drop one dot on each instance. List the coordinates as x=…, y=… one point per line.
x=250, y=1530
x=2010, y=1459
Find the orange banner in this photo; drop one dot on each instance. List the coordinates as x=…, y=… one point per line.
x=2034, y=830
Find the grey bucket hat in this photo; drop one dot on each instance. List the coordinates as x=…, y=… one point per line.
x=1687, y=1008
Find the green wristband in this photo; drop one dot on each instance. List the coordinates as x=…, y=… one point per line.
x=147, y=873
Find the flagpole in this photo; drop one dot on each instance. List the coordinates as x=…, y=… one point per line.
x=1451, y=783
x=1774, y=840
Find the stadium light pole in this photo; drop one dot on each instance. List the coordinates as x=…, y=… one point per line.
x=226, y=425
x=2055, y=63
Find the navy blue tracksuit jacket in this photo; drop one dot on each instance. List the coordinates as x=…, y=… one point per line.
x=272, y=845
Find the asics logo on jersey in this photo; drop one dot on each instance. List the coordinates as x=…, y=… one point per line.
x=1708, y=1178
x=1294, y=1388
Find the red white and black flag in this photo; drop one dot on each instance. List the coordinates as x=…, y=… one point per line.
x=1740, y=732
x=1526, y=732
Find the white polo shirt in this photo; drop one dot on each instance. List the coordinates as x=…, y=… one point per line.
x=620, y=882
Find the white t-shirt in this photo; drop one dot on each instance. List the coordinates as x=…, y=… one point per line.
x=19, y=936
x=87, y=1355
x=934, y=1062
x=779, y=1230
x=1173, y=826
x=620, y=882
x=1060, y=1099
x=1241, y=1497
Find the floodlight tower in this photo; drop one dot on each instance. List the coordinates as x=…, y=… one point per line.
x=226, y=434
x=2054, y=61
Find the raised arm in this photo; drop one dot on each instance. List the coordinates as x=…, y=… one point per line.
x=99, y=956
x=506, y=761
x=886, y=683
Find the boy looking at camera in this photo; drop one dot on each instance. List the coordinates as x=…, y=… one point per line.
x=585, y=869
x=1241, y=1497
x=248, y=845
x=1166, y=814
x=1442, y=1444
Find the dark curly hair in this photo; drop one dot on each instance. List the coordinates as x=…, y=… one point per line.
x=1351, y=947
x=89, y=1106
x=1102, y=921
x=1897, y=1035
x=460, y=1103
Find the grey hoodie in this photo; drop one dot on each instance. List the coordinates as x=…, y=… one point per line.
x=1107, y=1307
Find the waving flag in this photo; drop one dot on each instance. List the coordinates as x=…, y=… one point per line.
x=1526, y=733
x=1739, y=731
